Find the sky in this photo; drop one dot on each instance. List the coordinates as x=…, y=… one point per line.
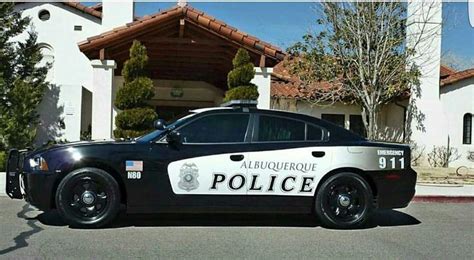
x=283, y=24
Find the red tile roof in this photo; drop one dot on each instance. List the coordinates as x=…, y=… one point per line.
x=76, y=5
x=85, y=9
x=457, y=76
x=285, y=85
x=194, y=15
x=445, y=71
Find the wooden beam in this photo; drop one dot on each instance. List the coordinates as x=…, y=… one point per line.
x=262, y=61
x=102, y=54
x=181, y=27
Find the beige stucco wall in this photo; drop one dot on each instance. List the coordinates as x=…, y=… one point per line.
x=390, y=120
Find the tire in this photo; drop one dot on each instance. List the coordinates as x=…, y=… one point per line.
x=88, y=198
x=344, y=201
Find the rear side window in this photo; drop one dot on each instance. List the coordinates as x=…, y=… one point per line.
x=225, y=128
x=314, y=133
x=273, y=129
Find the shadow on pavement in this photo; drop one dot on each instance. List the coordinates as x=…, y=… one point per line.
x=21, y=239
x=381, y=218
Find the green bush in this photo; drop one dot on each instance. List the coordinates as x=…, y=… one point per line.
x=243, y=92
x=238, y=79
x=134, y=94
x=3, y=161
x=136, y=117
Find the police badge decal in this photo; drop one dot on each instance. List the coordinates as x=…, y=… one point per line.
x=188, y=174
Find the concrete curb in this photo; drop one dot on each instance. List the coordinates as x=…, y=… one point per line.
x=444, y=199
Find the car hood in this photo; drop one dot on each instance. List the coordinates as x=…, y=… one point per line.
x=50, y=147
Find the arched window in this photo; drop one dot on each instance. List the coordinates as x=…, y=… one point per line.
x=467, y=129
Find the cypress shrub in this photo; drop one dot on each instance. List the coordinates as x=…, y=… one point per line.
x=136, y=117
x=238, y=79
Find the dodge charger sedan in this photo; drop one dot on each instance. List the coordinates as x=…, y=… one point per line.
x=234, y=159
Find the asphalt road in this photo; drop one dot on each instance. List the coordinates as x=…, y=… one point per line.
x=423, y=230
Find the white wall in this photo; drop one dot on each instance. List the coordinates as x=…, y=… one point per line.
x=424, y=27
x=458, y=99
x=71, y=69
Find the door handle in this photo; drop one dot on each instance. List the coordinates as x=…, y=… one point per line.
x=318, y=154
x=237, y=157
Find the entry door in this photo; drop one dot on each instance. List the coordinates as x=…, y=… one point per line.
x=193, y=175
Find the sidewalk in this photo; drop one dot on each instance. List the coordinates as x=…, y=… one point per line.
x=424, y=192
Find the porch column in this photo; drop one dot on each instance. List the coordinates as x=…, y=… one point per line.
x=263, y=81
x=102, y=98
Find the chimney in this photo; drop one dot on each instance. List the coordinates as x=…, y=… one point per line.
x=116, y=13
x=182, y=3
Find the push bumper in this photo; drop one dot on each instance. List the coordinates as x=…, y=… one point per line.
x=35, y=188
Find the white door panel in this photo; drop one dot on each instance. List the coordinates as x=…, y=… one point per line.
x=208, y=175
x=289, y=172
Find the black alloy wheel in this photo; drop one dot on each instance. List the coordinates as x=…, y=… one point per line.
x=344, y=200
x=88, y=197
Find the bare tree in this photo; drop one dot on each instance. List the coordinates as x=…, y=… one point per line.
x=362, y=53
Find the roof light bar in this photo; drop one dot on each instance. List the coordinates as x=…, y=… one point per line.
x=240, y=103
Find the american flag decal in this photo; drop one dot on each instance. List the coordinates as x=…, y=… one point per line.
x=134, y=166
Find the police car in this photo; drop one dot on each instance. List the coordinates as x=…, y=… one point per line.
x=227, y=159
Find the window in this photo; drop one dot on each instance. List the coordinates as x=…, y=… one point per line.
x=356, y=125
x=44, y=15
x=77, y=27
x=273, y=129
x=467, y=129
x=314, y=133
x=223, y=128
x=337, y=119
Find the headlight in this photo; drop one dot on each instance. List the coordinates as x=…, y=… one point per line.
x=39, y=164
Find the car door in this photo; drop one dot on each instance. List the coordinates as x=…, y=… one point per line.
x=194, y=174
x=288, y=159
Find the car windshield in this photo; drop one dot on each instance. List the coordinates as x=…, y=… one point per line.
x=154, y=134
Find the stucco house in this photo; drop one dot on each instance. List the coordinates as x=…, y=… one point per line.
x=190, y=54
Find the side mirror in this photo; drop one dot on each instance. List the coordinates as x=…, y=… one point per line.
x=159, y=124
x=174, y=137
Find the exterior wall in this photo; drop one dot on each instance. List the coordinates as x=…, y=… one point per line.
x=116, y=13
x=428, y=125
x=391, y=117
x=60, y=111
x=458, y=99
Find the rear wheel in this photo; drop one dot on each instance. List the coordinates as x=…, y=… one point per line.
x=344, y=201
x=88, y=197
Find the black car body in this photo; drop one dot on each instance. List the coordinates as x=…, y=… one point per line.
x=233, y=159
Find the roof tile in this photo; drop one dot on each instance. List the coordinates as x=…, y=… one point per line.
x=197, y=16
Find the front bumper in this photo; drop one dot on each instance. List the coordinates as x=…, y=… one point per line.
x=35, y=188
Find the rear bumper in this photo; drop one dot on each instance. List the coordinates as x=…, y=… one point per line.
x=394, y=189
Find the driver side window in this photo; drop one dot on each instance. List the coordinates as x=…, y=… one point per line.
x=223, y=128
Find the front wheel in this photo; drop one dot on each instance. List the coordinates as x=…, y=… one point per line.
x=344, y=201
x=88, y=197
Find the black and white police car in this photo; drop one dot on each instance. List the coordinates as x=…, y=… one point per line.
x=225, y=159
